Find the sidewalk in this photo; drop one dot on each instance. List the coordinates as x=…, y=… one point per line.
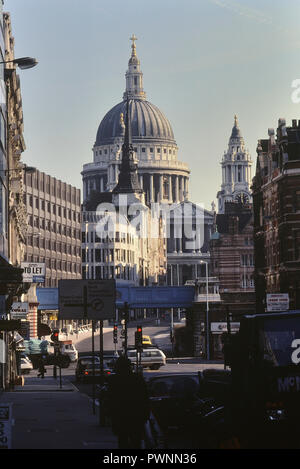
x=47, y=417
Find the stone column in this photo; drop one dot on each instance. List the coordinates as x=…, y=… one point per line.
x=187, y=187
x=141, y=181
x=101, y=184
x=170, y=189
x=161, y=187
x=151, y=188
x=176, y=189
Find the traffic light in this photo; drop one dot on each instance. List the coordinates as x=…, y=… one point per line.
x=115, y=334
x=54, y=336
x=139, y=338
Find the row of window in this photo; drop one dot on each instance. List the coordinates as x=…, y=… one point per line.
x=56, y=246
x=55, y=210
x=56, y=264
x=106, y=272
x=42, y=183
x=107, y=255
x=158, y=150
x=41, y=223
x=92, y=237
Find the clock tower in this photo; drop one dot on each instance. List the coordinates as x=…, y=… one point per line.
x=236, y=171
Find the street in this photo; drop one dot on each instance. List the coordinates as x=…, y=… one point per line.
x=160, y=337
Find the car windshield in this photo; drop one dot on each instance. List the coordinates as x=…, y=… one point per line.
x=280, y=340
x=177, y=386
x=87, y=361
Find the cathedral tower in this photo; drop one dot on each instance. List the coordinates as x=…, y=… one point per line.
x=236, y=171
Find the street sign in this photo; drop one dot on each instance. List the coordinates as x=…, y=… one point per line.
x=19, y=310
x=87, y=299
x=34, y=272
x=5, y=425
x=277, y=302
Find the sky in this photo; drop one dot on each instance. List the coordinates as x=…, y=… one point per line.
x=203, y=62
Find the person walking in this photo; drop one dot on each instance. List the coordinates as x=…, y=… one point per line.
x=41, y=368
x=129, y=405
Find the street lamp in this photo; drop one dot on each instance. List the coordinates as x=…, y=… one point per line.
x=22, y=62
x=207, y=310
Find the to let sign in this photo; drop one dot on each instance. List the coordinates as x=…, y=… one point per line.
x=277, y=302
x=34, y=272
x=87, y=299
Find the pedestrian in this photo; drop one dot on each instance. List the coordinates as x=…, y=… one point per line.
x=128, y=404
x=41, y=368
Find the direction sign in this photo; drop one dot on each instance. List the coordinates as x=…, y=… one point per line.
x=87, y=299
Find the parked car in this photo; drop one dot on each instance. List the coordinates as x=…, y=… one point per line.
x=176, y=402
x=25, y=365
x=153, y=358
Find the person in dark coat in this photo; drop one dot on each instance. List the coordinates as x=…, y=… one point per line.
x=41, y=368
x=128, y=404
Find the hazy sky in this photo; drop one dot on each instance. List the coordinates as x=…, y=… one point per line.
x=203, y=61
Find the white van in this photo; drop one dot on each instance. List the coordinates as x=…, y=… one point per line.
x=150, y=357
x=70, y=350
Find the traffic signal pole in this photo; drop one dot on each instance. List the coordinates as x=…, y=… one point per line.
x=101, y=415
x=93, y=373
x=126, y=314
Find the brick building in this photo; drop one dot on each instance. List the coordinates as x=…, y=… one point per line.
x=54, y=231
x=276, y=199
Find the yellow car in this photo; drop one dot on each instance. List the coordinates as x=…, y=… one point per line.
x=146, y=340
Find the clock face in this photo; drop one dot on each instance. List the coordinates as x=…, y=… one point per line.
x=242, y=198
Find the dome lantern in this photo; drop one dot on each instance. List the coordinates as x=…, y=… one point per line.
x=134, y=76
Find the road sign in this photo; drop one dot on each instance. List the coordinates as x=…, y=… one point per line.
x=277, y=302
x=87, y=299
x=34, y=272
x=5, y=425
x=19, y=310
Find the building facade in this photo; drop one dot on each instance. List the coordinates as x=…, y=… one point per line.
x=276, y=199
x=54, y=226
x=232, y=249
x=236, y=171
x=190, y=229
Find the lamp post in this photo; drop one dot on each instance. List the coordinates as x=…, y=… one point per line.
x=207, y=311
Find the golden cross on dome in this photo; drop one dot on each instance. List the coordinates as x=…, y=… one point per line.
x=133, y=38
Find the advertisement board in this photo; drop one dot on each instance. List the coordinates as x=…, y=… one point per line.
x=277, y=302
x=19, y=310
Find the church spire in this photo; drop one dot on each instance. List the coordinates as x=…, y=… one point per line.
x=128, y=177
x=134, y=76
